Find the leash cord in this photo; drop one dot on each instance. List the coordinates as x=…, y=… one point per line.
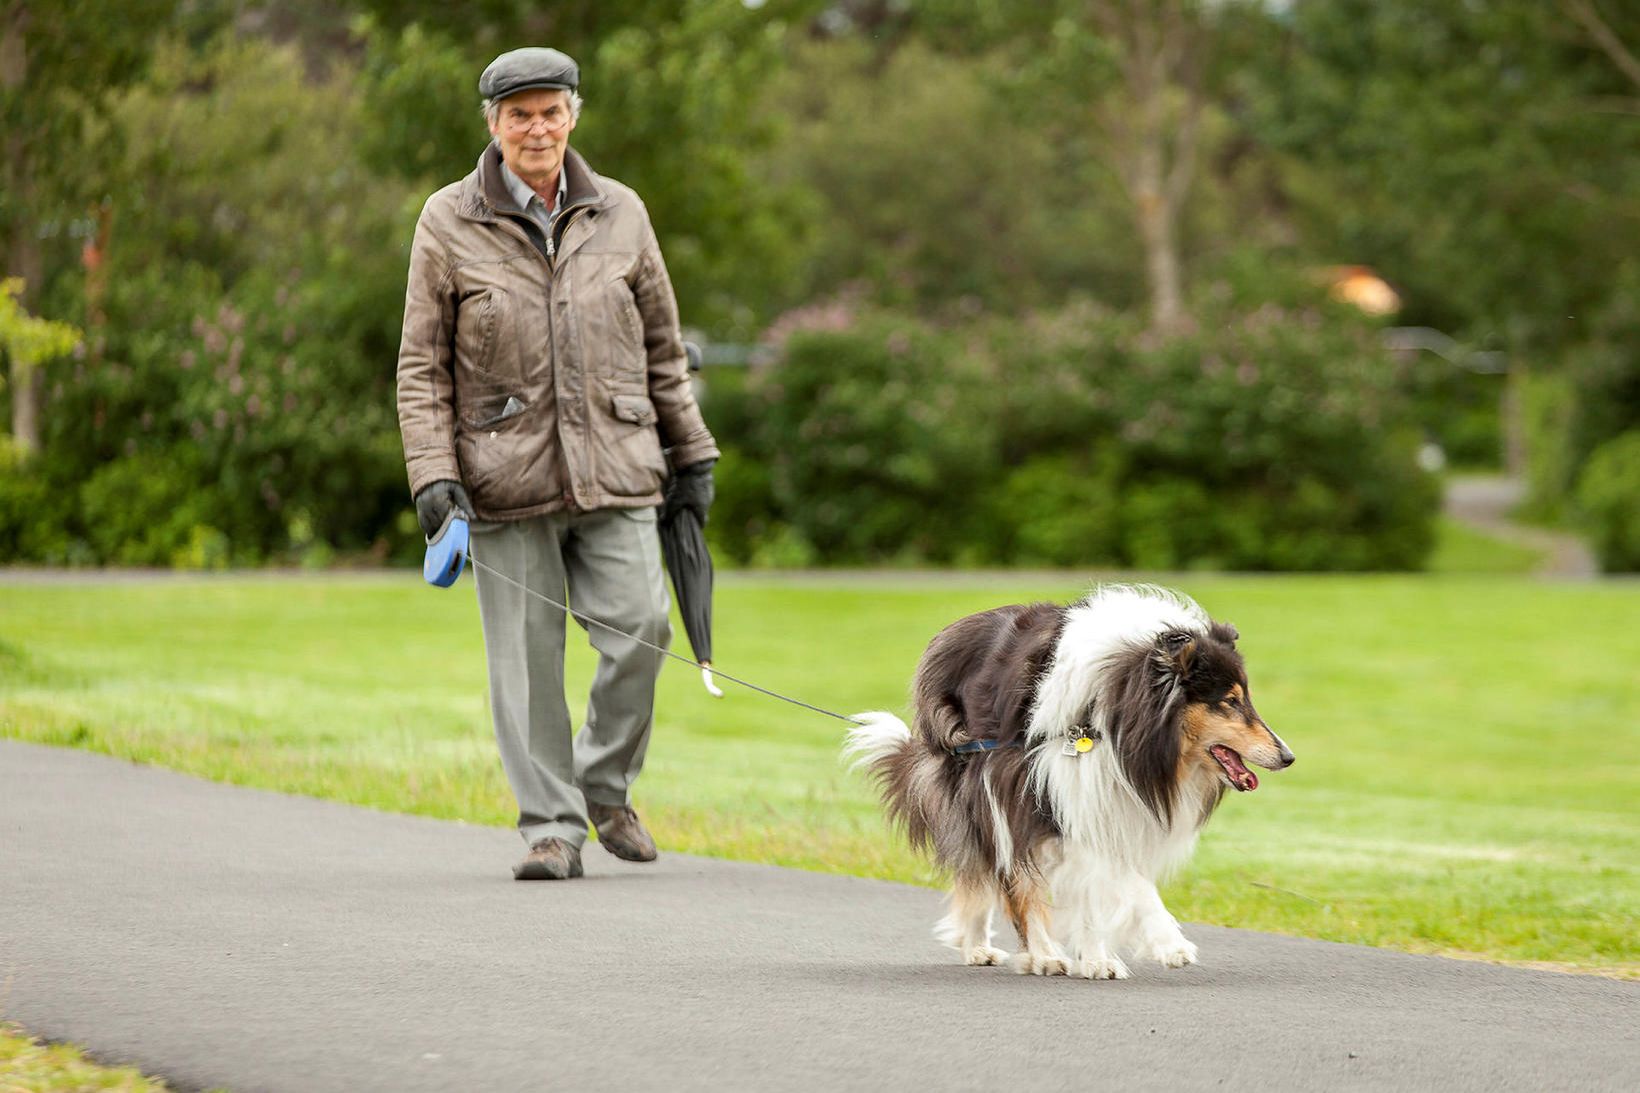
x=585, y=620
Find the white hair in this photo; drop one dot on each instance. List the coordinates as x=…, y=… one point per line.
x=491, y=107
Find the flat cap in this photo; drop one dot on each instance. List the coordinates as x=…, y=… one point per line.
x=524, y=69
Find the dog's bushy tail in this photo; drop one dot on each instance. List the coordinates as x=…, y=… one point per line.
x=876, y=737
x=905, y=767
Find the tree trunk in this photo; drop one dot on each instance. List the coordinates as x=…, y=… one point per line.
x=1512, y=412
x=22, y=257
x=1152, y=133
x=1155, y=215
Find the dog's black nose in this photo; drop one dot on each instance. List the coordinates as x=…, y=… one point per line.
x=1287, y=757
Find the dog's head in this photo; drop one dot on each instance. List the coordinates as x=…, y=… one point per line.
x=1184, y=714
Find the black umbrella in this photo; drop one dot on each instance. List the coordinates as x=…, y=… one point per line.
x=683, y=542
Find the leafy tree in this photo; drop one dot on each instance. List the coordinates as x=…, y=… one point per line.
x=1152, y=128
x=933, y=189
x=243, y=376
x=29, y=342
x=1475, y=153
x=1115, y=98
x=1607, y=35
x=59, y=63
x=669, y=88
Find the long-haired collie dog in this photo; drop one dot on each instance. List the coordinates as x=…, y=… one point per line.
x=1063, y=760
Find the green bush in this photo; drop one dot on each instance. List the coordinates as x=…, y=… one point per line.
x=232, y=404
x=1591, y=400
x=1172, y=523
x=35, y=512
x=1605, y=372
x=1548, y=402
x=1608, y=495
x=146, y=510
x=1060, y=510
x=741, y=513
x=1459, y=410
x=1270, y=439
x=877, y=442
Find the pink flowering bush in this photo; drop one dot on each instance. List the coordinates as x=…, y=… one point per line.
x=1271, y=438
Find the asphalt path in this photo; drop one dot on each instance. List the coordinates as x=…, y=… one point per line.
x=221, y=936
x=1487, y=503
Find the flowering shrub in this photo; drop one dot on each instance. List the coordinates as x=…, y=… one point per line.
x=1270, y=439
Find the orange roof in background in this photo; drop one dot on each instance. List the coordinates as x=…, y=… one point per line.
x=1360, y=286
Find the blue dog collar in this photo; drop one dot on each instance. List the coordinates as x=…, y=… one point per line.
x=446, y=552
x=984, y=745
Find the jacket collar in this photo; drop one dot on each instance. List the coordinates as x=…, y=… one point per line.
x=484, y=192
x=523, y=195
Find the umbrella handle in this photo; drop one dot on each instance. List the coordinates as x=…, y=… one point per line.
x=706, y=678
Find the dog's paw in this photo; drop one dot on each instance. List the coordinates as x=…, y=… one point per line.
x=983, y=955
x=1177, y=954
x=1101, y=967
x=1027, y=963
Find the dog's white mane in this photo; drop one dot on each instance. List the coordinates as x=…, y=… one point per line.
x=1089, y=795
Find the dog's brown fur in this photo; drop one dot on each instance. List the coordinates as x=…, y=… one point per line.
x=1007, y=819
x=976, y=681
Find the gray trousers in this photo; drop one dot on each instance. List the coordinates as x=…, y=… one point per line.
x=609, y=564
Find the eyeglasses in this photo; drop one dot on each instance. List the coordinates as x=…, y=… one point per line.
x=552, y=121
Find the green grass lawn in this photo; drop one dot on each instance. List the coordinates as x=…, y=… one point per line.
x=1462, y=549
x=1468, y=746
x=27, y=1065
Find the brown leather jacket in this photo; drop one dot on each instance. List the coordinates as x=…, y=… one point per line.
x=544, y=375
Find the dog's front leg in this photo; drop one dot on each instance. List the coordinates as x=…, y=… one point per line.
x=1094, y=913
x=1155, y=930
x=1026, y=897
x=967, y=926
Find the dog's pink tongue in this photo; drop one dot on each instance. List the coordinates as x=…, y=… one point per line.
x=1243, y=779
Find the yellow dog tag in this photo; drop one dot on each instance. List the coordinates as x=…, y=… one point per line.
x=1084, y=744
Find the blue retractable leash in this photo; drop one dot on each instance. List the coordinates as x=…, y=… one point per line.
x=447, y=557
x=446, y=551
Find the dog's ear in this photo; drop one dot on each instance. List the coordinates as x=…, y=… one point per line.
x=1178, y=651
x=1229, y=632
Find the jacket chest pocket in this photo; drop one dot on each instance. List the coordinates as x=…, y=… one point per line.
x=611, y=326
x=628, y=323
x=486, y=337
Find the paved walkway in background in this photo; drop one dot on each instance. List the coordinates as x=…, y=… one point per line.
x=1486, y=502
x=216, y=935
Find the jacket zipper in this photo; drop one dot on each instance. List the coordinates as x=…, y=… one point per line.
x=555, y=234
x=557, y=227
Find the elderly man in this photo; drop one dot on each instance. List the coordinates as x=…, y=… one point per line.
x=543, y=391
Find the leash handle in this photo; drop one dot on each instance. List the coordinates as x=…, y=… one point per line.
x=447, y=551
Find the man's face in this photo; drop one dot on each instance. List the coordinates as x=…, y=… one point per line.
x=533, y=128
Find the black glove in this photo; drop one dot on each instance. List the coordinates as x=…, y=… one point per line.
x=435, y=501
x=690, y=488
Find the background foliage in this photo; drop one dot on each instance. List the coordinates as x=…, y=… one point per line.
x=932, y=218
x=1273, y=439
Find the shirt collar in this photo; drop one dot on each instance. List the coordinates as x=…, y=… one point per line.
x=521, y=192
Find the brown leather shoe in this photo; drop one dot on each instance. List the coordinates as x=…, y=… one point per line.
x=549, y=859
x=621, y=832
